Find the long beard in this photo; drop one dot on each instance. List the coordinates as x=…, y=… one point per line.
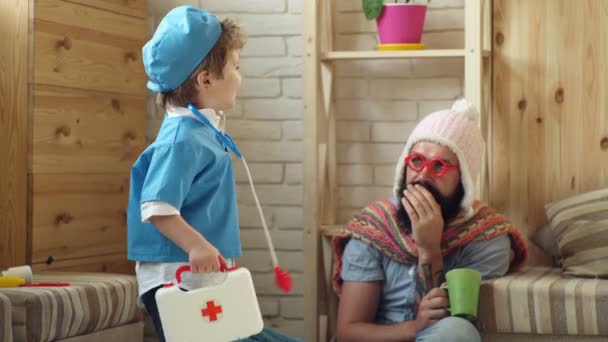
x=450, y=206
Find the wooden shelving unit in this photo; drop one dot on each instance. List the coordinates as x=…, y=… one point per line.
x=320, y=161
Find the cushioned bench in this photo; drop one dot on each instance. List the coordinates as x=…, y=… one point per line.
x=6, y=333
x=100, y=306
x=537, y=304
x=542, y=302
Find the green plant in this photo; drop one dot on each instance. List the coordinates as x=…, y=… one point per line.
x=373, y=8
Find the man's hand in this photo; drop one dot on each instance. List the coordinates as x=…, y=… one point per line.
x=432, y=308
x=426, y=218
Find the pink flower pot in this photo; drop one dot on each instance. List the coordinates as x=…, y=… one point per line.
x=401, y=23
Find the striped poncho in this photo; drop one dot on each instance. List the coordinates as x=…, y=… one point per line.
x=377, y=224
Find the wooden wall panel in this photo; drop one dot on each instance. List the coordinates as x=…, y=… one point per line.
x=88, y=127
x=550, y=101
x=113, y=263
x=77, y=131
x=14, y=113
x=75, y=14
x=78, y=216
x=72, y=117
x=82, y=58
x=134, y=8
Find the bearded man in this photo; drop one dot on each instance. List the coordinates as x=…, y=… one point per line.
x=393, y=255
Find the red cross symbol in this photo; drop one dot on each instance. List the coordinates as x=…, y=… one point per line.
x=212, y=311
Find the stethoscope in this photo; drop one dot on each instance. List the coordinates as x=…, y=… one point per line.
x=224, y=137
x=282, y=277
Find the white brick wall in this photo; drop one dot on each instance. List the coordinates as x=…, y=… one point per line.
x=261, y=173
x=260, y=87
x=292, y=130
x=294, y=46
x=264, y=46
x=269, y=24
x=378, y=104
x=353, y=131
x=275, y=108
x=377, y=110
x=391, y=132
x=355, y=175
x=247, y=130
x=292, y=87
x=293, y=173
x=384, y=175
x=423, y=89
x=270, y=66
x=249, y=6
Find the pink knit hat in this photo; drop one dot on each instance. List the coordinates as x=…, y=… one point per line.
x=457, y=129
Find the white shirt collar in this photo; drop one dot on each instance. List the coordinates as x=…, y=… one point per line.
x=217, y=120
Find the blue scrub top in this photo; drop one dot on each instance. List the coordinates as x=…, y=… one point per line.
x=188, y=167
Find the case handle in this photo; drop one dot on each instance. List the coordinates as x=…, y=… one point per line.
x=187, y=268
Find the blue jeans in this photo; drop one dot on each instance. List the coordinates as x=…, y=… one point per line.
x=452, y=329
x=149, y=300
x=270, y=335
x=267, y=334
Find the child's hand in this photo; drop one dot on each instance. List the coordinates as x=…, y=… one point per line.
x=205, y=258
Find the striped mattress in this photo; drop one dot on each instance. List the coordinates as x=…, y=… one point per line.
x=539, y=300
x=93, y=302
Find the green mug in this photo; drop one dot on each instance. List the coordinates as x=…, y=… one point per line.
x=463, y=291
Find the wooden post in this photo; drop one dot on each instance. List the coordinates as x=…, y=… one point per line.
x=327, y=308
x=486, y=100
x=473, y=63
x=473, y=52
x=312, y=111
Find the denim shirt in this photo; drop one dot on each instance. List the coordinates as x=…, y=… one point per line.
x=363, y=263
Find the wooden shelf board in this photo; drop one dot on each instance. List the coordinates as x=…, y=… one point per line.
x=330, y=229
x=375, y=54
